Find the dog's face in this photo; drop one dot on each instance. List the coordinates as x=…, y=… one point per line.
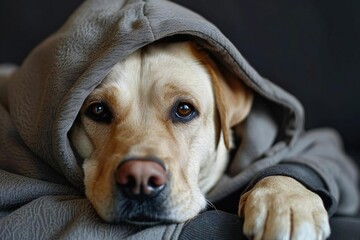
x=154, y=134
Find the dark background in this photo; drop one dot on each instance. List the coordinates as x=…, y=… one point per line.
x=309, y=47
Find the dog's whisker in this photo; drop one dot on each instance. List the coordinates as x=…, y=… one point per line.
x=211, y=205
x=187, y=221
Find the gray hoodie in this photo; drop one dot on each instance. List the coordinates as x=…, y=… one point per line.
x=41, y=180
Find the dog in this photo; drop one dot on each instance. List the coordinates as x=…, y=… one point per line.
x=155, y=136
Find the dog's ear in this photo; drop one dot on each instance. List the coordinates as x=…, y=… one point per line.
x=233, y=99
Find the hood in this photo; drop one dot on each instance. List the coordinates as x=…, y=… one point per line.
x=47, y=91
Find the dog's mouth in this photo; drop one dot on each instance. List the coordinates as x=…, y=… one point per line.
x=141, y=210
x=144, y=221
x=147, y=213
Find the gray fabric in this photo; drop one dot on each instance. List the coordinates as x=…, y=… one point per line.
x=42, y=181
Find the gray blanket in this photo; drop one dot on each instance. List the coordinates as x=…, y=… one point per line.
x=41, y=180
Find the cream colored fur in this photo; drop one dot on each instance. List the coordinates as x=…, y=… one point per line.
x=140, y=91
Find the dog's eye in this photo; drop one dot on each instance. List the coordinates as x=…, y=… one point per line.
x=184, y=112
x=99, y=112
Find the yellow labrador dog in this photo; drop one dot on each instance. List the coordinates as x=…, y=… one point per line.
x=155, y=137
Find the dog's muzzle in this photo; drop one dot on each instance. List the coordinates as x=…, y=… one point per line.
x=142, y=191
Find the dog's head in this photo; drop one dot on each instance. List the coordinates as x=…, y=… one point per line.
x=154, y=134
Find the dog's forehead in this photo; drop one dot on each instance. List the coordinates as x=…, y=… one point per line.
x=173, y=66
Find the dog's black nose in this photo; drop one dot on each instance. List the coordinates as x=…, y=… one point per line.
x=141, y=179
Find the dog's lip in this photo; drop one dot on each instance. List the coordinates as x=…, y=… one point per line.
x=142, y=222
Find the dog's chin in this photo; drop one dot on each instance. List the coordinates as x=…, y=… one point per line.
x=145, y=221
x=149, y=216
x=150, y=221
x=160, y=209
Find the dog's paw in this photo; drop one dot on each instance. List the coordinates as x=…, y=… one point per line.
x=279, y=207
